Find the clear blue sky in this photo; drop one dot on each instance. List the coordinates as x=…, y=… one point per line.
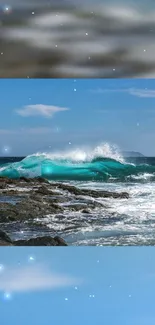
x=121, y=282
x=117, y=111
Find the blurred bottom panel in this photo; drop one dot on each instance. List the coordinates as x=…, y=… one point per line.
x=110, y=285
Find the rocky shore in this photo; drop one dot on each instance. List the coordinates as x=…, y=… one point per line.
x=31, y=199
x=5, y=240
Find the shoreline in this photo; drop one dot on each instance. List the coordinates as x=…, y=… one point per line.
x=30, y=200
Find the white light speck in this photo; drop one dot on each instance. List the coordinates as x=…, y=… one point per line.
x=86, y=34
x=7, y=296
x=1, y=53
x=66, y=299
x=74, y=89
x=6, y=150
x=69, y=143
x=75, y=288
x=98, y=261
x=1, y=267
x=31, y=258
x=32, y=12
x=129, y=296
x=56, y=45
x=114, y=69
x=144, y=50
x=7, y=9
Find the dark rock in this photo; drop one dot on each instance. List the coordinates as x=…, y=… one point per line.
x=4, y=239
x=7, y=180
x=43, y=190
x=32, y=209
x=3, y=185
x=76, y=207
x=10, y=214
x=93, y=193
x=39, y=241
x=41, y=180
x=42, y=241
x=69, y=188
x=25, y=179
x=85, y=211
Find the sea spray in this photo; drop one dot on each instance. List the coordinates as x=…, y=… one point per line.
x=101, y=163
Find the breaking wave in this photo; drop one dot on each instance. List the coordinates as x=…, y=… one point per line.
x=100, y=164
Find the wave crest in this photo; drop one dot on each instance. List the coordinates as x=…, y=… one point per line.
x=102, y=163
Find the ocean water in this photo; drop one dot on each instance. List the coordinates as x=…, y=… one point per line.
x=120, y=221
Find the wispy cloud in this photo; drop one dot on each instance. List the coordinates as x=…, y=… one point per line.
x=33, y=278
x=40, y=109
x=143, y=93
x=30, y=131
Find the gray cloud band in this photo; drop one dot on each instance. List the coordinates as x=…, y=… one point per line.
x=63, y=41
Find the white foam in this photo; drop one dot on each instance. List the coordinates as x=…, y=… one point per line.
x=86, y=154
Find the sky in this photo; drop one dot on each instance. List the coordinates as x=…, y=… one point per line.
x=38, y=114
x=87, y=285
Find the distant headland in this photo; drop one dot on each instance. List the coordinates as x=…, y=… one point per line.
x=131, y=154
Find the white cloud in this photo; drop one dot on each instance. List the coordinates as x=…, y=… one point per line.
x=143, y=93
x=147, y=93
x=33, y=278
x=40, y=109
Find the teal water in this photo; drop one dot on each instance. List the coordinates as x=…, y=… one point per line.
x=68, y=169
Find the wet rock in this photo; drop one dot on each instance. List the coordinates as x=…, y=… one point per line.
x=25, y=179
x=76, y=207
x=85, y=211
x=39, y=241
x=7, y=180
x=5, y=239
x=33, y=209
x=3, y=185
x=42, y=241
x=69, y=188
x=41, y=180
x=8, y=212
x=93, y=193
x=44, y=190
